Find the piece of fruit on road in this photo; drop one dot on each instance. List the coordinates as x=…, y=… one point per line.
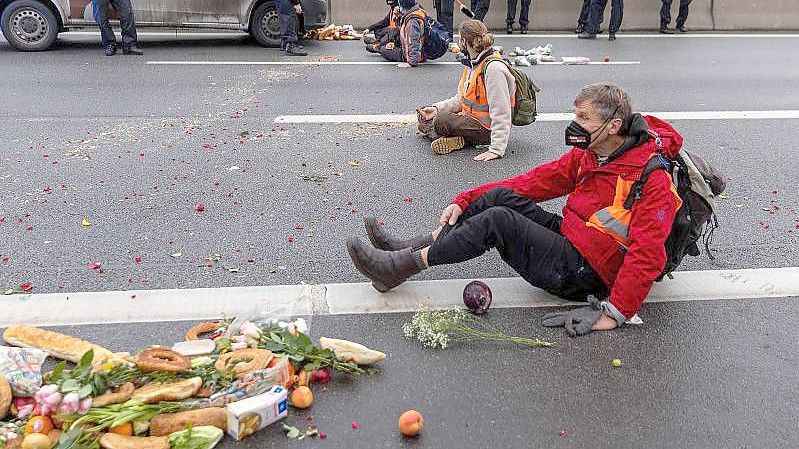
x=411, y=423
x=351, y=352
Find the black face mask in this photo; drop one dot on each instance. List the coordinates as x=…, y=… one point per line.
x=577, y=136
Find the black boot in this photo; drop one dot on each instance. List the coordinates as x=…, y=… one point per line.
x=110, y=50
x=386, y=269
x=580, y=29
x=383, y=240
x=682, y=29
x=611, y=36
x=132, y=49
x=586, y=35
x=509, y=28
x=523, y=30
x=294, y=50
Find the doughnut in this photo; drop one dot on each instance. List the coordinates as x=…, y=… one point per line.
x=161, y=359
x=242, y=361
x=202, y=328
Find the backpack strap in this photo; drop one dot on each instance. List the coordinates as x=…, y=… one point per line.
x=657, y=162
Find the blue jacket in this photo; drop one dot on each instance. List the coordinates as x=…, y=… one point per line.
x=412, y=35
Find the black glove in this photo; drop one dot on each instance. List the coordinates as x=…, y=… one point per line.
x=577, y=321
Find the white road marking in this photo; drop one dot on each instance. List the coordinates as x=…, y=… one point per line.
x=256, y=63
x=357, y=298
x=545, y=117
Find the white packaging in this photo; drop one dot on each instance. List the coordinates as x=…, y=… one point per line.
x=250, y=415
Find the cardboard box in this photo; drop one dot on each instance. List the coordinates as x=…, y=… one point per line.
x=250, y=415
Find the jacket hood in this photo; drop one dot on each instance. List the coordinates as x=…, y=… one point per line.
x=641, y=129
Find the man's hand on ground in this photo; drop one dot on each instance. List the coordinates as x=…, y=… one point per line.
x=298, y=9
x=428, y=112
x=450, y=215
x=582, y=320
x=403, y=65
x=390, y=46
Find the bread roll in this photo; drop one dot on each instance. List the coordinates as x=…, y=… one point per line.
x=56, y=344
x=167, y=423
x=154, y=393
x=114, y=441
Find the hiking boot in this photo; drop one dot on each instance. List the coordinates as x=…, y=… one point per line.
x=586, y=35
x=386, y=269
x=295, y=50
x=446, y=145
x=580, y=29
x=132, y=49
x=383, y=240
x=666, y=30
x=110, y=50
x=682, y=29
x=611, y=36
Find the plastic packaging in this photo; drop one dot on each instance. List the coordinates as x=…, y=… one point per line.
x=253, y=384
x=22, y=367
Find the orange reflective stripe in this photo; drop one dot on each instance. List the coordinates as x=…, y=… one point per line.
x=421, y=15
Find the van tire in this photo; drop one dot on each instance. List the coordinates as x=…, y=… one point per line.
x=29, y=25
x=264, y=25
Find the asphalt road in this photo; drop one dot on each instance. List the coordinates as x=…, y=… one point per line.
x=697, y=375
x=133, y=148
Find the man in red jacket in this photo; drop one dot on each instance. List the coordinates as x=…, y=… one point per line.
x=597, y=250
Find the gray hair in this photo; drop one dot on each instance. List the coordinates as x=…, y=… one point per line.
x=610, y=100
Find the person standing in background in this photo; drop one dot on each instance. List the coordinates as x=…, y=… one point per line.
x=480, y=8
x=287, y=11
x=595, y=19
x=665, y=16
x=127, y=22
x=582, y=21
x=524, y=15
x=444, y=12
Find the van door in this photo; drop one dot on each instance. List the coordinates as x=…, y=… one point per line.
x=207, y=13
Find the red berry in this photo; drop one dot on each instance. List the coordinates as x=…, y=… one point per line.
x=355, y=425
x=200, y=207
x=562, y=433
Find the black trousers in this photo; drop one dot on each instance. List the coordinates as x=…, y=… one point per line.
x=665, y=13
x=585, y=13
x=527, y=237
x=124, y=12
x=524, y=14
x=444, y=13
x=597, y=11
x=287, y=19
x=480, y=8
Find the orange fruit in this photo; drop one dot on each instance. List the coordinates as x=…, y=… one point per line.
x=302, y=397
x=39, y=424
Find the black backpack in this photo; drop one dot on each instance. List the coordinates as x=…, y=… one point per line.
x=697, y=183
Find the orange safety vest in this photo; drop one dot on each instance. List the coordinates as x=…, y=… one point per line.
x=614, y=220
x=392, y=24
x=474, y=99
x=420, y=13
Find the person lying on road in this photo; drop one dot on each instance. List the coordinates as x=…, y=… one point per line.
x=482, y=109
x=597, y=250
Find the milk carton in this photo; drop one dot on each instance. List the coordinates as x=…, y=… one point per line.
x=250, y=415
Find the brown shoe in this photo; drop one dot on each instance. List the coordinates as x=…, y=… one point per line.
x=386, y=269
x=446, y=145
x=383, y=240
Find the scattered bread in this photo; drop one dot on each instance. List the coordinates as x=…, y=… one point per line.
x=167, y=423
x=153, y=393
x=56, y=344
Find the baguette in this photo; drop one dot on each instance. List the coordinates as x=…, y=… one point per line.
x=5, y=396
x=114, y=441
x=167, y=423
x=154, y=393
x=56, y=344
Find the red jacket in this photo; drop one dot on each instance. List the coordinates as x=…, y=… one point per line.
x=628, y=267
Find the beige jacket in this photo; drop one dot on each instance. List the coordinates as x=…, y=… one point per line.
x=500, y=85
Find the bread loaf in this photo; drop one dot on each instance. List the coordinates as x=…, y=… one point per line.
x=153, y=393
x=114, y=441
x=56, y=344
x=167, y=423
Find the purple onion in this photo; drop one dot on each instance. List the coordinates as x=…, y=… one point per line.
x=477, y=297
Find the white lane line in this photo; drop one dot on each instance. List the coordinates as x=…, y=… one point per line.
x=256, y=63
x=358, y=298
x=546, y=117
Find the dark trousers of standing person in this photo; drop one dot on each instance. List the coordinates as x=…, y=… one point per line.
x=665, y=13
x=527, y=238
x=585, y=14
x=444, y=13
x=480, y=8
x=287, y=19
x=597, y=12
x=127, y=22
x=524, y=14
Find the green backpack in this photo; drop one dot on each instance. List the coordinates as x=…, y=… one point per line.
x=524, y=112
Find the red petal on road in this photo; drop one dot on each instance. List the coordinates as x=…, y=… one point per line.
x=26, y=287
x=355, y=425
x=29, y=228
x=137, y=259
x=94, y=266
x=322, y=435
x=291, y=239
x=200, y=207
x=2, y=219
